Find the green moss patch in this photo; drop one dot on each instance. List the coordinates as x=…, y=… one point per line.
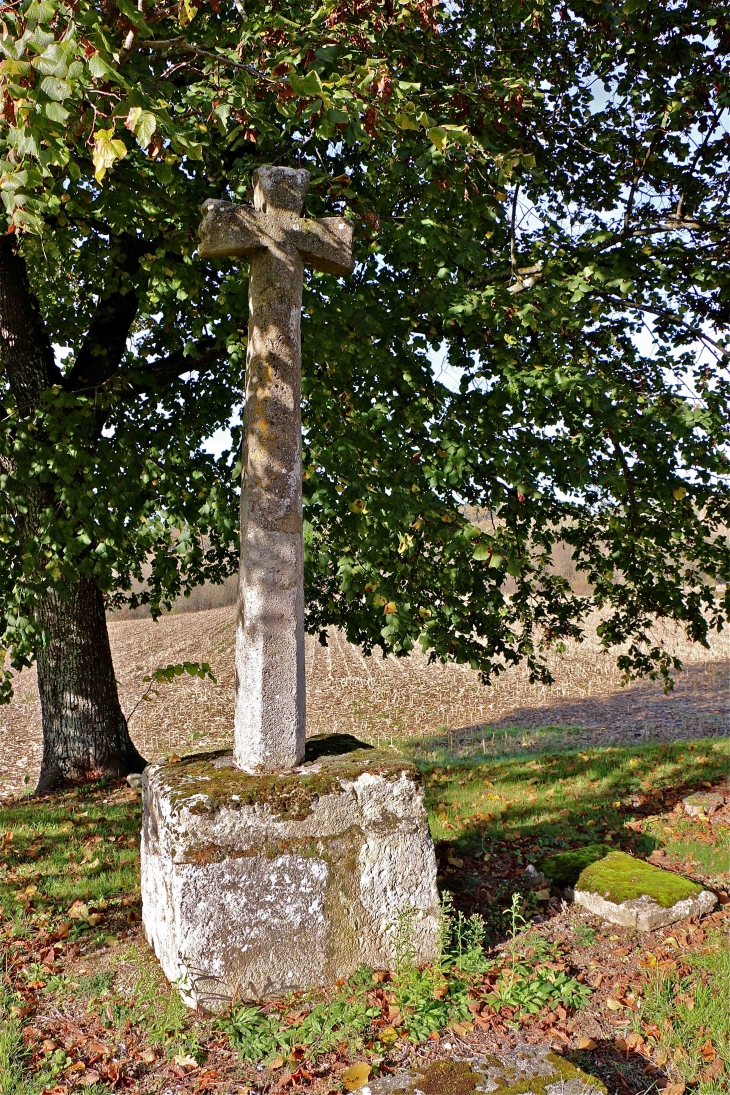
x=331, y=759
x=464, y=1077
x=565, y=868
x=619, y=877
x=448, y=1078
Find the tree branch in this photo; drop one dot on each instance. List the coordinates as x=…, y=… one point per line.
x=186, y=47
x=26, y=353
x=666, y=313
x=156, y=375
x=106, y=340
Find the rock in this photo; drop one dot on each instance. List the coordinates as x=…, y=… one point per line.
x=702, y=804
x=134, y=779
x=524, y=1070
x=534, y=878
x=563, y=869
x=631, y=892
x=257, y=886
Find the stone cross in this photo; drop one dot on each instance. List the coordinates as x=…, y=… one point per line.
x=270, y=705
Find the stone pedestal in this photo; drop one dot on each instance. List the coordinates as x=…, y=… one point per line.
x=256, y=886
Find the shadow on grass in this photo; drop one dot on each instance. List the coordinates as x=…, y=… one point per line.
x=491, y=819
x=620, y=1072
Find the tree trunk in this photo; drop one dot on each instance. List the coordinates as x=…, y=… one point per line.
x=84, y=729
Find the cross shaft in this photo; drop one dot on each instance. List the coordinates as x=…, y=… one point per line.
x=270, y=703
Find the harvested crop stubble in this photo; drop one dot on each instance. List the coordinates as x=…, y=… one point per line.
x=376, y=698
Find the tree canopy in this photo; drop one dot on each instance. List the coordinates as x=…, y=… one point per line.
x=540, y=193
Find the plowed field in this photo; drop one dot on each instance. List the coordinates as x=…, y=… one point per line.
x=378, y=698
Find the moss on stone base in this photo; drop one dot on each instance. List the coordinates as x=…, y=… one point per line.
x=460, y=1077
x=564, y=868
x=206, y=781
x=619, y=877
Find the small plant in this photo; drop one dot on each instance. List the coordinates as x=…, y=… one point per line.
x=585, y=935
x=311, y=1027
x=527, y=985
x=166, y=674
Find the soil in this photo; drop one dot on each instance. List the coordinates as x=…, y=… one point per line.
x=378, y=699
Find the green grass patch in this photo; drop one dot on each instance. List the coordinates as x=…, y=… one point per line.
x=372, y=1011
x=565, y=799
x=79, y=846
x=685, y=1015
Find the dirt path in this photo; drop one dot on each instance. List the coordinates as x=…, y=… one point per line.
x=376, y=698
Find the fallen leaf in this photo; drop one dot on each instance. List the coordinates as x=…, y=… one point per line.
x=79, y=911
x=708, y=1051
x=90, y=1079
x=356, y=1076
x=148, y=1057
x=94, y=919
x=460, y=1029
x=542, y=895
x=388, y=1035
x=276, y=1063
x=586, y=1043
x=674, y=1089
x=455, y=861
x=613, y=1005
x=184, y=1060
x=713, y=1071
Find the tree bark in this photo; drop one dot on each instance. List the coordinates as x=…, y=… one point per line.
x=85, y=732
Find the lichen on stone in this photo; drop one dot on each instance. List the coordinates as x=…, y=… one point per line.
x=203, y=784
x=564, y=868
x=515, y=1073
x=619, y=877
x=447, y=1078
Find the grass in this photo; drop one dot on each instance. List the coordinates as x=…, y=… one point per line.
x=563, y=799
x=686, y=1010
x=82, y=846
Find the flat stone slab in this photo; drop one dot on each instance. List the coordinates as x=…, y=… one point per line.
x=702, y=804
x=254, y=886
x=636, y=894
x=525, y=1070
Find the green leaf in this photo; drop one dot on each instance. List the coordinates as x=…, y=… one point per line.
x=135, y=17
x=142, y=123
x=438, y=137
x=406, y=121
x=308, y=85
x=99, y=68
x=56, y=112
x=55, y=89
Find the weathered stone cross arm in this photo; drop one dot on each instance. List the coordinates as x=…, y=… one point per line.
x=240, y=231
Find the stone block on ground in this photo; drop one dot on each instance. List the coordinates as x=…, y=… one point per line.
x=563, y=869
x=257, y=886
x=632, y=892
x=524, y=1070
x=702, y=804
